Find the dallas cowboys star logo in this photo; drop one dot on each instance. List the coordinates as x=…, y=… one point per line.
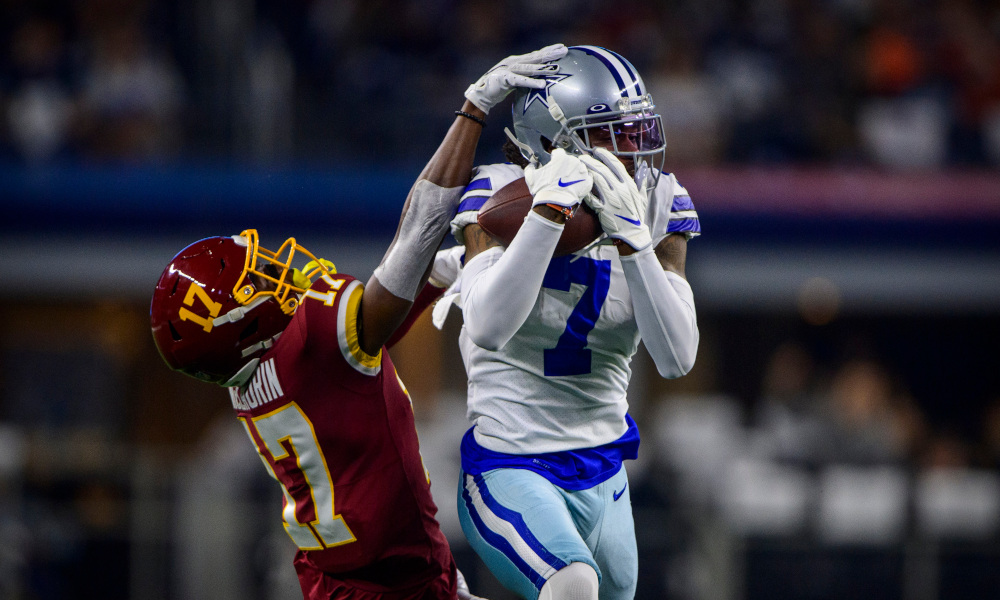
x=542, y=94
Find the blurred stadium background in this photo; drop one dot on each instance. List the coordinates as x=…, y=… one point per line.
x=838, y=438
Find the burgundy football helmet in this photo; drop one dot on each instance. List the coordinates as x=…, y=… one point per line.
x=223, y=301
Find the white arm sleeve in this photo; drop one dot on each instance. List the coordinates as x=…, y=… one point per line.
x=664, y=310
x=499, y=287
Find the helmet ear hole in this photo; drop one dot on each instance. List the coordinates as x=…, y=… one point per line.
x=173, y=332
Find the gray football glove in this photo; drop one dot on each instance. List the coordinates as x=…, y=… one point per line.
x=619, y=203
x=511, y=72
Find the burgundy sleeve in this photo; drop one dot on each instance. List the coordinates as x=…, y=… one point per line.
x=425, y=298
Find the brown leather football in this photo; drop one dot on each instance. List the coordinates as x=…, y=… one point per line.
x=501, y=217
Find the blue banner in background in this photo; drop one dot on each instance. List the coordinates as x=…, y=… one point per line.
x=165, y=199
x=736, y=205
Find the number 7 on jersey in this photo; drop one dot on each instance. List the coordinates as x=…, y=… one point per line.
x=571, y=355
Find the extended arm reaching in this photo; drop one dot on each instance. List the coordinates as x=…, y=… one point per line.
x=432, y=201
x=423, y=224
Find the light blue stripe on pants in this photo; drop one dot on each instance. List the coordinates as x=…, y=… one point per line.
x=525, y=529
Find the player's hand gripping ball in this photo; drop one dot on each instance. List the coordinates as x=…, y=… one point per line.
x=618, y=202
x=502, y=215
x=562, y=182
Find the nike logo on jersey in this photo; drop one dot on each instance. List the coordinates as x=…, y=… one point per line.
x=617, y=495
x=567, y=183
x=635, y=222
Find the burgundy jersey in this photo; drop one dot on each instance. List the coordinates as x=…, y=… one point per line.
x=335, y=427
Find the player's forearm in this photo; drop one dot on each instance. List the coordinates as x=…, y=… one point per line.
x=422, y=228
x=451, y=165
x=430, y=206
x=498, y=292
x=665, y=313
x=425, y=220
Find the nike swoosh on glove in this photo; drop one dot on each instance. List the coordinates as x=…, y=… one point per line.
x=563, y=181
x=618, y=202
x=512, y=72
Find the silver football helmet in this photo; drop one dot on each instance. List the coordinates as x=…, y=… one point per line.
x=594, y=98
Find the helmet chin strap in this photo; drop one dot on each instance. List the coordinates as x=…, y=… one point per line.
x=644, y=178
x=261, y=345
x=238, y=313
x=240, y=378
x=558, y=116
x=556, y=112
x=246, y=371
x=565, y=140
x=526, y=150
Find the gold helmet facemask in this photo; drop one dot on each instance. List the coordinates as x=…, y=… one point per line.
x=276, y=267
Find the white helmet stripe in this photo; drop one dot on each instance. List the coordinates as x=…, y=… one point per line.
x=619, y=68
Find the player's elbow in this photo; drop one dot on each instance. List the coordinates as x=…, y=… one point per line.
x=487, y=337
x=680, y=358
x=485, y=330
x=675, y=368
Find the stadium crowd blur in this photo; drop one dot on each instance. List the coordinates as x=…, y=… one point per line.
x=844, y=82
x=891, y=85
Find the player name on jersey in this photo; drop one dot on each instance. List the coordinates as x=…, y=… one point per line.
x=262, y=389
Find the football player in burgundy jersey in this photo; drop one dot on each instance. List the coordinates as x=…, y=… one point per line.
x=303, y=354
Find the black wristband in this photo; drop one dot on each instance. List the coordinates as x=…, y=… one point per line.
x=462, y=113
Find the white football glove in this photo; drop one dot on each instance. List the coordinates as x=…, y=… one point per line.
x=619, y=203
x=563, y=181
x=511, y=72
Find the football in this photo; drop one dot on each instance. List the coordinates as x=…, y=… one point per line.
x=501, y=217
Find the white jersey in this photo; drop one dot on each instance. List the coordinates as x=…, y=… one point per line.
x=560, y=383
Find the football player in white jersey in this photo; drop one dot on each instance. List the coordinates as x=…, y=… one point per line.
x=547, y=341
